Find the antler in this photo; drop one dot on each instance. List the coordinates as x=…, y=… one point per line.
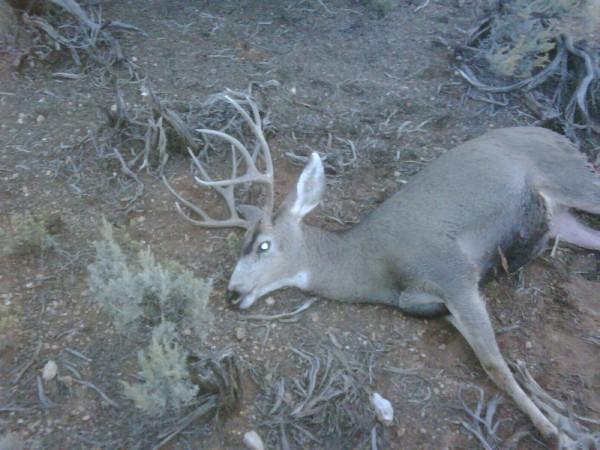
x=225, y=188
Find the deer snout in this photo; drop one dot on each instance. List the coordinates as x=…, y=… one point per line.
x=233, y=296
x=240, y=297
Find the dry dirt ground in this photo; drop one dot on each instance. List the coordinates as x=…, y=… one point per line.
x=356, y=70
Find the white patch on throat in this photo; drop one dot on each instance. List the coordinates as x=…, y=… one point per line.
x=301, y=281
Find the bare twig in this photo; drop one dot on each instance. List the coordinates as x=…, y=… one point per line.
x=78, y=354
x=422, y=5
x=300, y=309
x=480, y=421
x=209, y=406
x=95, y=388
x=45, y=402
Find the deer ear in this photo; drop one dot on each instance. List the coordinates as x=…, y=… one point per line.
x=310, y=187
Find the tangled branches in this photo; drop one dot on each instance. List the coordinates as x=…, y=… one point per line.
x=558, y=78
x=325, y=405
x=85, y=35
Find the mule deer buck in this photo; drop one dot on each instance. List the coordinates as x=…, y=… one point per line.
x=494, y=200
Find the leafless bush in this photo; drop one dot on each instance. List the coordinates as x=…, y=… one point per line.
x=81, y=31
x=325, y=405
x=523, y=34
x=547, y=51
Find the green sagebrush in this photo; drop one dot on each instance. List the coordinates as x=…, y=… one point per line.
x=148, y=293
x=163, y=298
x=166, y=382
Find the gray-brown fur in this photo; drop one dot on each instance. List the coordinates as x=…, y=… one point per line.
x=445, y=228
x=495, y=199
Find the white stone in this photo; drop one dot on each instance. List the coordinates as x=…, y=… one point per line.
x=253, y=441
x=383, y=409
x=49, y=371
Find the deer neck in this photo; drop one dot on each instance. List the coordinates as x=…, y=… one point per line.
x=345, y=266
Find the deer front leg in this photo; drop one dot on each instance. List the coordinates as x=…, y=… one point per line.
x=470, y=317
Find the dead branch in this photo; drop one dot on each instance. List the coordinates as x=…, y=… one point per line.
x=564, y=93
x=307, y=304
x=480, y=421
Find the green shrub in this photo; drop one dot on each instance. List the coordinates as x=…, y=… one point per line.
x=26, y=234
x=150, y=299
x=166, y=384
x=146, y=294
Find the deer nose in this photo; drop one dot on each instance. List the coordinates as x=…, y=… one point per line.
x=233, y=297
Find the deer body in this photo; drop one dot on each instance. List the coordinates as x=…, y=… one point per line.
x=495, y=199
x=447, y=227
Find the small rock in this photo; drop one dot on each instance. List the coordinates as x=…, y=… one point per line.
x=270, y=301
x=40, y=119
x=67, y=380
x=253, y=441
x=528, y=345
x=21, y=119
x=240, y=333
x=49, y=371
x=383, y=409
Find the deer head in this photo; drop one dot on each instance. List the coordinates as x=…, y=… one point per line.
x=273, y=253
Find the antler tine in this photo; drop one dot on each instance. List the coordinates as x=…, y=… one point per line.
x=226, y=192
x=226, y=188
x=255, y=124
x=207, y=221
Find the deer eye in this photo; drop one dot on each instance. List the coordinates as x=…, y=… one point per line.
x=264, y=246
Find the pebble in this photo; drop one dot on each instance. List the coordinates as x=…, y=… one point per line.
x=67, y=380
x=253, y=441
x=40, y=119
x=270, y=301
x=49, y=371
x=240, y=333
x=528, y=345
x=383, y=409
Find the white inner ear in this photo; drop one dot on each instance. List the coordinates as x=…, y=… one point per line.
x=310, y=187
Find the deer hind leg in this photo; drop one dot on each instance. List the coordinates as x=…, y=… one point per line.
x=569, y=229
x=470, y=317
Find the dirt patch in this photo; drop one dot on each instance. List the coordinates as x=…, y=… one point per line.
x=361, y=71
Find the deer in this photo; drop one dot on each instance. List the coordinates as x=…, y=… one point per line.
x=496, y=200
